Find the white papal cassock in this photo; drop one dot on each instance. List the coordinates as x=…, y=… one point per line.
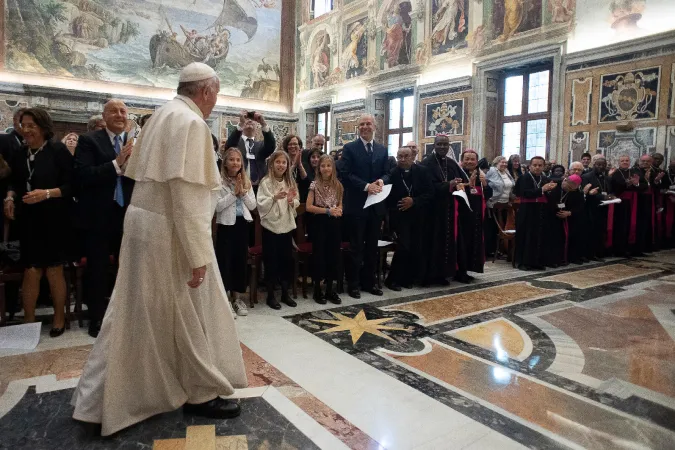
x=162, y=343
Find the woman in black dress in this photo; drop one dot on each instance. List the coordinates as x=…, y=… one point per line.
x=40, y=185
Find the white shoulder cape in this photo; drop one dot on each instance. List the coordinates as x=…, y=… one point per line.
x=176, y=143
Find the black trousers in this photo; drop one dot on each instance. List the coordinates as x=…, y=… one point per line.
x=364, y=232
x=408, y=226
x=231, y=254
x=278, y=258
x=326, y=239
x=100, y=243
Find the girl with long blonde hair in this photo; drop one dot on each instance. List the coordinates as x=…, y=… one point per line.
x=236, y=200
x=325, y=202
x=277, y=202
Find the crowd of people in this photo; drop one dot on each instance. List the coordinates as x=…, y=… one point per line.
x=444, y=215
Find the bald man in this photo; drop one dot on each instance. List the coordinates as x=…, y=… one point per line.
x=100, y=160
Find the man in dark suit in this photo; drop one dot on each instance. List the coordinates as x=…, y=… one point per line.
x=255, y=152
x=10, y=144
x=100, y=159
x=364, y=172
x=411, y=192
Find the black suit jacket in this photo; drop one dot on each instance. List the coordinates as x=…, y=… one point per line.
x=261, y=149
x=96, y=179
x=358, y=169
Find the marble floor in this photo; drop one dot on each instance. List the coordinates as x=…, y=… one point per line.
x=577, y=357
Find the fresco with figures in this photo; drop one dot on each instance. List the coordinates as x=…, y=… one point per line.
x=147, y=42
x=355, y=48
x=396, y=44
x=449, y=25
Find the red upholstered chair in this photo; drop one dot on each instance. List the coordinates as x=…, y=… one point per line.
x=303, y=251
x=255, y=260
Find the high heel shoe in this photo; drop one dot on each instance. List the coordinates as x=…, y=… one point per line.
x=56, y=332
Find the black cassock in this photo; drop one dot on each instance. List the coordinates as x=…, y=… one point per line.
x=531, y=221
x=668, y=214
x=564, y=236
x=408, y=225
x=596, y=238
x=624, y=220
x=470, y=237
x=440, y=249
x=648, y=204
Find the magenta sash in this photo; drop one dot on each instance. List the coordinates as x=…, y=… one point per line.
x=541, y=199
x=631, y=196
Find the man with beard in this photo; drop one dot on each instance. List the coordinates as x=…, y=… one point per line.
x=470, y=245
x=531, y=218
x=597, y=235
x=410, y=194
x=668, y=192
x=625, y=185
x=650, y=181
x=440, y=245
x=566, y=204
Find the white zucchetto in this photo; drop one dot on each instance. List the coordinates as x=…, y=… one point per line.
x=196, y=72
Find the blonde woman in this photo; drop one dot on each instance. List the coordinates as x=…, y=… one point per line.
x=277, y=202
x=70, y=140
x=325, y=201
x=235, y=203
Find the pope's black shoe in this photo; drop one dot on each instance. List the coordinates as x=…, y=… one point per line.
x=217, y=408
x=354, y=293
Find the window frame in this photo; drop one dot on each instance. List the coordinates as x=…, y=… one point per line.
x=401, y=130
x=327, y=112
x=312, y=9
x=524, y=117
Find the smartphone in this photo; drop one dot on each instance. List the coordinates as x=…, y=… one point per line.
x=250, y=114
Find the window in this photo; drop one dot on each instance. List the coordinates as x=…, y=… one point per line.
x=400, y=115
x=320, y=7
x=525, y=113
x=322, y=126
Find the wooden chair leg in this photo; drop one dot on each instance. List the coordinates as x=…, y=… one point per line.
x=251, y=282
x=69, y=290
x=295, y=277
x=258, y=265
x=3, y=305
x=78, y=296
x=305, y=263
x=341, y=273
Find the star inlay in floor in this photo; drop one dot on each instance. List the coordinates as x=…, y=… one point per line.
x=358, y=325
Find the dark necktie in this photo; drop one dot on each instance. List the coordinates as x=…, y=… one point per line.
x=369, y=147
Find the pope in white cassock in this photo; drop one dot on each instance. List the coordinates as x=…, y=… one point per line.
x=168, y=338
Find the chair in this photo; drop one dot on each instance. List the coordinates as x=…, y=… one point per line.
x=506, y=229
x=76, y=271
x=303, y=251
x=254, y=260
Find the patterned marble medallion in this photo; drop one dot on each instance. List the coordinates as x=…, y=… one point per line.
x=358, y=325
x=601, y=275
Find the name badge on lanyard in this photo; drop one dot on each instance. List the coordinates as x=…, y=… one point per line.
x=474, y=191
x=561, y=206
x=672, y=188
x=604, y=194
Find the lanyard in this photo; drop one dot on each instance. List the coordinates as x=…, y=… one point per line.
x=604, y=182
x=624, y=177
x=563, y=194
x=443, y=172
x=31, y=169
x=537, y=184
x=409, y=189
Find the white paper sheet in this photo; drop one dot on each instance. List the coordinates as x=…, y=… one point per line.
x=383, y=243
x=463, y=195
x=24, y=337
x=609, y=202
x=377, y=198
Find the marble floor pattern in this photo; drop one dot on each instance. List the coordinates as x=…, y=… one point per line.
x=577, y=357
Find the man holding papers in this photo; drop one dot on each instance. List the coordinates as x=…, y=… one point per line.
x=364, y=172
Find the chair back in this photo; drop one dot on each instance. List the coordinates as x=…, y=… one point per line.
x=300, y=231
x=508, y=223
x=257, y=228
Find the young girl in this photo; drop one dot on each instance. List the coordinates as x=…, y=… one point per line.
x=277, y=201
x=235, y=201
x=325, y=201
